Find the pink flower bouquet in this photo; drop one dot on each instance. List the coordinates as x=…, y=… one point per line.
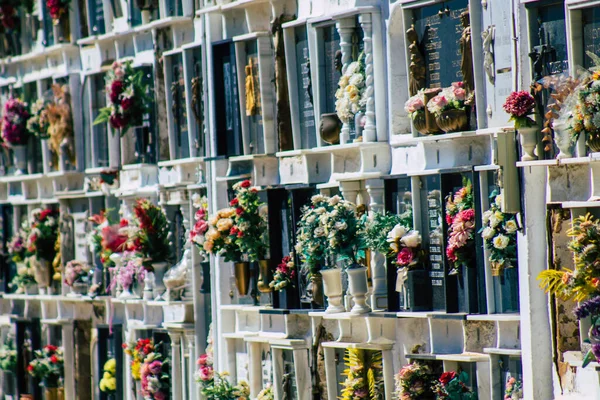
x=460, y=216
x=14, y=122
x=450, y=98
x=520, y=106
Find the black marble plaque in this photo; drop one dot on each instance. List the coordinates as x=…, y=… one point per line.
x=439, y=41
x=591, y=33
x=255, y=122
x=306, y=114
x=329, y=74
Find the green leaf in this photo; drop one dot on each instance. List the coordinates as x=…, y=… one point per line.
x=589, y=357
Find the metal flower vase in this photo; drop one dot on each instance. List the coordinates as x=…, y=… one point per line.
x=264, y=277
x=242, y=277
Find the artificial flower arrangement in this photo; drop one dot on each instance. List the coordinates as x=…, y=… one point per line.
x=198, y=231
x=513, y=389
x=138, y=351
x=344, y=231
x=107, y=238
x=8, y=357
x=452, y=386
x=38, y=122
x=250, y=227
x=414, y=382
x=520, y=105
x=351, y=93
x=56, y=9
x=150, y=234
x=108, y=383
x=284, y=274
x=415, y=105
x=14, y=122
x=267, y=393
x=77, y=272
x=450, y=98
x=60, y=132
x=9, y=14
x=43, y=234
x=405, y=244
x=128, y=98
x=499, y=233
x=311, y=243
x=155, y=377
x=586, y=110
x=377, y=225
x=17, y=250
x=214, y=385
x=364, y=375
x=460, y=217
x=221, y=235
x=584, y=281
x=129, y=272
x=48, y=366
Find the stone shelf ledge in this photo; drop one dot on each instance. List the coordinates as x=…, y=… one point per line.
x=502, y=352
x=43, y=52
x=207, y=10
x=431, y=315
x=56, y=321
x=462, y=357
x=575, y=359
x=238, y=335
x=362, y=346
x=580, y=204
x=494, y=317
x=240, y=4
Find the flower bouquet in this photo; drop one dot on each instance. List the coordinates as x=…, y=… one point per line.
x=415, y=107
x=77, y=276
x=413, y=382
x=267, y=393
x=460, y=217
x=376, y=228
x=452, y=386
x=106, y=238
x=200, y=228
x=406, y=245
x=221, y=236
x=128, y=96
x=591, y=308
x=284, y=274
x=14, y=123
x=499, y=234
x=138, y=352
x=351, y=94
x=108, y=383
x=8, y=357
x=41, y=244
x=24, y=279
x=128, y=274
x=214, y=385
x=311, y=244
x=364, y=375
x=584, y=281
x=344, y=232
x=520, y=105
x=9, y=14
x=449, y=108
x=56, y=9
x=513, y=389
x=251, y=227
x=152, y=238
x=155, y=377
x=48, y=366
x=38, y=123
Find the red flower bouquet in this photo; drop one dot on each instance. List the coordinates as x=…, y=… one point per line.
x=284, y=274
x=520, y=106
x=9, y=16
x=56, y=9
x=14, y=122
x=48, y=366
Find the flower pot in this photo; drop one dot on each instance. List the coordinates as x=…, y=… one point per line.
x=42, y=273
x=78, y=289
x=242, y=277
x=420, y=123
x=593, y=142
x=506, y=291
x=467, y=290
x=316, y=284
x=562, y=138
x=330, y=128
x=528, y=140
x=452, y=120
x=358, y=288
x=159, y=274
x=131, y=292
x=31, y=289
x=264, y=277
x=418, y=290
x=54, y=394
x=332, y=286
x=19, y=158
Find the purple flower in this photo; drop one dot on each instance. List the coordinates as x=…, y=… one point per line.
x=588, y=307
x=596, y=351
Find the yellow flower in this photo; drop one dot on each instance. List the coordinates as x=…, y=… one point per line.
x=111, y=384
x=111, y=366
x=351, y=90
x=226, y=213
x=596, y=76
x=225, y=224
x=106, y=375
x=135, y=370
x=103, y=386
x=344, y=81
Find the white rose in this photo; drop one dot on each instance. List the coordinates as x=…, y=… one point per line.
x=488, y=233
x=496, y=218
x=319, y=232
x=324, y=218
x=311, y=219
x=511, y=226
x=412, y=239
x=352, y=68
x=298, y=247
x=486, y=216
x=499, y=199
x=500, y=242
x=341, y=226
x=396, y=233
x=357, y=80
x=334, y=200
x=317, y=198
x=320, y=210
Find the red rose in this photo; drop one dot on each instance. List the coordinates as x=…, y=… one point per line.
x=45, y=213
x=446, y=377
x=123, y=223
x=467, y=215
x=234, y=202
x=239, y=211
x=51, y=348
x=405, y=257
x=450, y=253
x=116, y=88
x=124, y=345
x=54, y=359
x=30, y=368
x=449, y=219
x=246, y=184
x=127, y=103
x=117, y=121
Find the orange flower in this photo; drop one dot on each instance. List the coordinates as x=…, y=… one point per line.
x=595, y=282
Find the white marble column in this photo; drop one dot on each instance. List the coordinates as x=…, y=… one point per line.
x=69, y=360
x=350, y=190
x=345, y=28
x=255, y=366
x=375, y=188
x=176, y=370
x=277, y=372
x=330, y=373
x=302, y=372
x=193, y=388
x=370, y=132
x=188, y=293
x=388, y=373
